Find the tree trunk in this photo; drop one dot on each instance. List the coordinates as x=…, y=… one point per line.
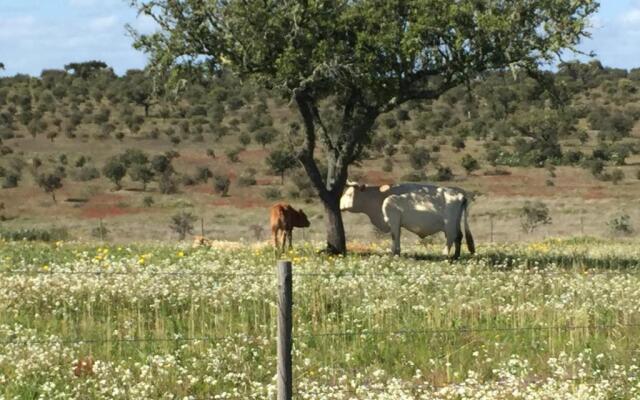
x=53, y=196
x=336, y=240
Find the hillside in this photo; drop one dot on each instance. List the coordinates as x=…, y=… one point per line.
x=573, y=146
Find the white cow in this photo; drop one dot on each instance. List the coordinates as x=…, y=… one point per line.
x=423, y=209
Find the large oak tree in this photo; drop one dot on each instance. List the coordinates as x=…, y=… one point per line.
x=361, y=58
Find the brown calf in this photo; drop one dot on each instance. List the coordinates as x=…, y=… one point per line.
x=284, y=218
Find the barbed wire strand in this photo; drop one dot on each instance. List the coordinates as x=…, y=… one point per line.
x=139, y=273
x=125, y=340
x=472, y=330
x=329, y=334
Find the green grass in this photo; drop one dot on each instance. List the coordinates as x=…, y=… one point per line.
x=560, y=312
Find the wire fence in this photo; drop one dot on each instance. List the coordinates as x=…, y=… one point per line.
x=381, y=334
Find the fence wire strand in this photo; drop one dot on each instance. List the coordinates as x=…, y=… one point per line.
x=472, y=330
x=124, y=340
x=134, y=273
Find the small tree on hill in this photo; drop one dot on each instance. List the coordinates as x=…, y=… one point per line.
x=621, y=225
x=264, y=136
x=115, y=170
x=221, y=184
x=49, y=182
x=470, y=164
x=419, y=157
x=161, y=164
x=182, y=224
x=280, y=161
x=533, y=215
x=141, y=173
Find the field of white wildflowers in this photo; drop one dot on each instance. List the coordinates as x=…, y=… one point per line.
x=558, y=319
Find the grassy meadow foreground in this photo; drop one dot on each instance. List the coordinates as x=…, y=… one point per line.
x=548, y=320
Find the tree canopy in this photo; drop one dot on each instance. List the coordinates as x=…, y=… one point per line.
x=357, y=59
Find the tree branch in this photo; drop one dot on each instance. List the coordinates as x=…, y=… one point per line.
x=305, y=156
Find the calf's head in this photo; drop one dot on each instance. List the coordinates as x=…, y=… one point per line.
x=301, y=220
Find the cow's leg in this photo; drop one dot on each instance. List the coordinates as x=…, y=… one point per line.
x=458, y=244
x=395, y=239
x=454, y=237
x=393, y=218
x=290, y=235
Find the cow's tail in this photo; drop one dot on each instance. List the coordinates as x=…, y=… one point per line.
x=467, y=232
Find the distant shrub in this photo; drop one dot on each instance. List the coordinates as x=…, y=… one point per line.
x=265, y=136
x=389, y=121
x=202, y=174
x=84, y=173
x=197, y=110
x=595, y=166
x=221, y=184
x=35, y=234
x=497, y=172
x=11, y=180
x=617, y=175
x=247, y=177
x=280, y=161
x=257, y=231
x=272, y=193
x=233, y=154
x=100, y=232
x=620, y=225
x=115, y=169
x=572, y=157
x=533, y=215
x=469, y=163
x=387, y=165
x=419, y=157
x=244, y=138
x=167, y=183
x=443, y=174
x=414, y=176
x=147, y=201
x=457, y=143
x=49, y=183
x=182, y=224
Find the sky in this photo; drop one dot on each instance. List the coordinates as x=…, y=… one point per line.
x=47, y=34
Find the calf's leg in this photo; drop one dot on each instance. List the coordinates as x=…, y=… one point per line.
x=284, y=240
x=274, y=233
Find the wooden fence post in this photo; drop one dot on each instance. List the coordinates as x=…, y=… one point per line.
x=285, y=341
